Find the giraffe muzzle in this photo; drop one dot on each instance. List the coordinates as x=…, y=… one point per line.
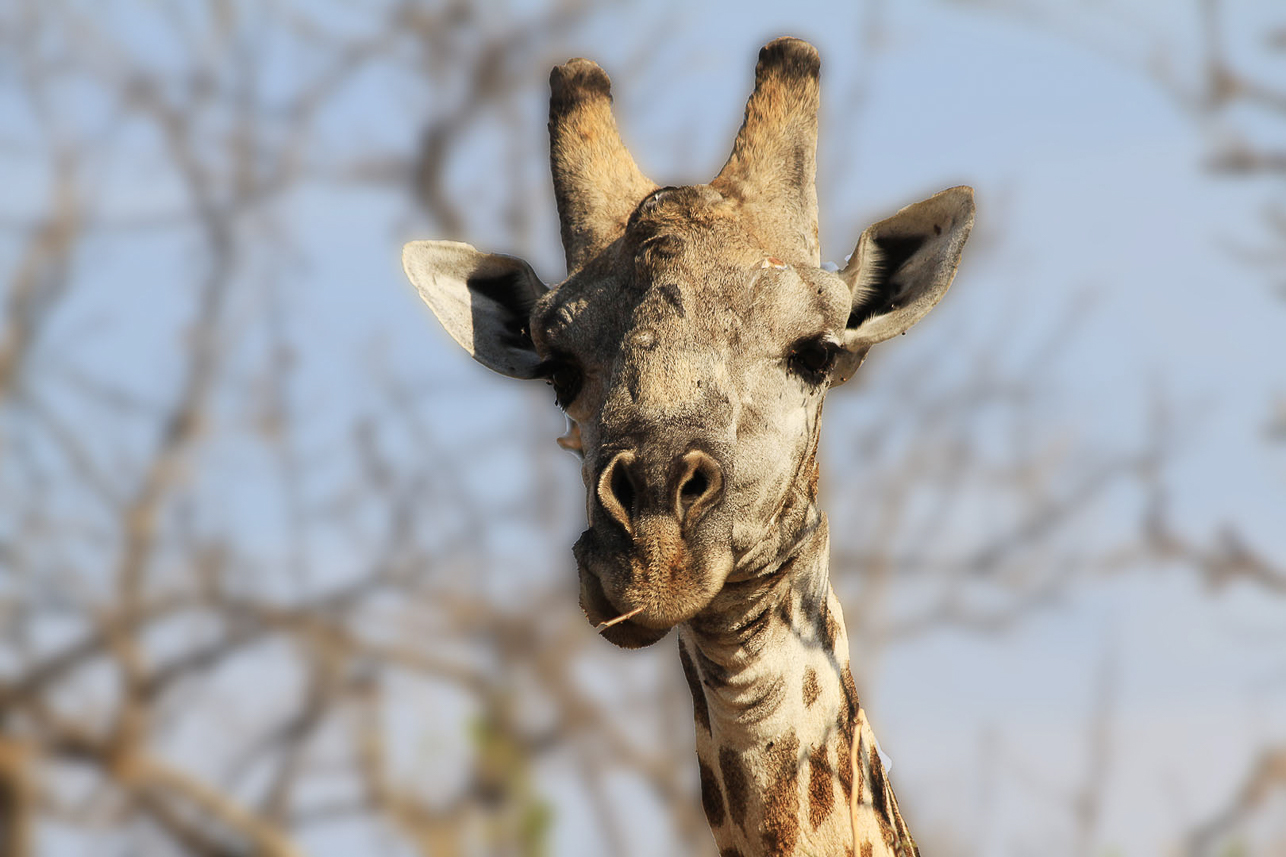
x=660, y=539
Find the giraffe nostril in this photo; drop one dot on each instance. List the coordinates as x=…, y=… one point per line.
x=617, y=491
x=623, y=489
x=700, y=485
x=695, y=486
x=626, y=490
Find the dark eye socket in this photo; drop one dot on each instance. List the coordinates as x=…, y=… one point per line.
x=813, y=359
x=565, y=378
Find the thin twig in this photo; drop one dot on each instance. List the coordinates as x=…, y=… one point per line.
x=603, y=626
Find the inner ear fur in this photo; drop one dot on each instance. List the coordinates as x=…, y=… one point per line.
x=484, y=300
x=903, y=266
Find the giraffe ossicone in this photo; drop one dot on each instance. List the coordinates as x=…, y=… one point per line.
x=691, y=346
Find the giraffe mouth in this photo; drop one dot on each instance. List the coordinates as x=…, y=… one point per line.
x=628, y=634
x=660, y=582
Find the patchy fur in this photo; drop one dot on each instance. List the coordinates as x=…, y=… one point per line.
x=692, y=345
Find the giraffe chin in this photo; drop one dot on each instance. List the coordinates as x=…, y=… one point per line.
x=628, y=634
x=671, y=590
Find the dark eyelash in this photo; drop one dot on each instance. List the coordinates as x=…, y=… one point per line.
x=813, y=359
x=564, y=376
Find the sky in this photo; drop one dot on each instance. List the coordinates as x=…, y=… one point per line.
x=1090, y=192
x=1092, y=200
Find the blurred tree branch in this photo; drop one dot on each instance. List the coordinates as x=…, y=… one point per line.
x=1267, y=773
x=1227, y=100
x=234, y=685
x=232, y=150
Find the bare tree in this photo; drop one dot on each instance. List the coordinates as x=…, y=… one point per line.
x=1221, y=85
x=230, y=615
x=130, y=620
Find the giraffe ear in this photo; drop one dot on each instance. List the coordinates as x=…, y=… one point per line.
x=901, y=269
x=483, y=300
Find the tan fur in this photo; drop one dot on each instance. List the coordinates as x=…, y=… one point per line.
x=692, y=345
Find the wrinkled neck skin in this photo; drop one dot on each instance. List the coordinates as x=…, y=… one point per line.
x=776, y=714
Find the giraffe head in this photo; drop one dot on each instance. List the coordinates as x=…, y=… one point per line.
x=694, y=339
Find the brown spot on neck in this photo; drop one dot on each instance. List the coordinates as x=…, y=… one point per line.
x=844, y=756
x=812, y=688
x=880, y=799
x=828, y=626
x=821, y=786
x=850, y=692
x=781, y=802
x=700, y=712
x=711, y=796
x=736, y=787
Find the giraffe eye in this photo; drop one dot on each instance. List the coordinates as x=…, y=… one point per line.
x=813, y=359
x=566, y=379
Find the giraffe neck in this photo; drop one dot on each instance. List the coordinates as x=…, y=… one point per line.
x=776, y=715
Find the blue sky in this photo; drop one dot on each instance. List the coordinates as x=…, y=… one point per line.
x=1091, y=198
x=1090, y=190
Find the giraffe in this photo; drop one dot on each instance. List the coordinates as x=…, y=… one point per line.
x=691, y=346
